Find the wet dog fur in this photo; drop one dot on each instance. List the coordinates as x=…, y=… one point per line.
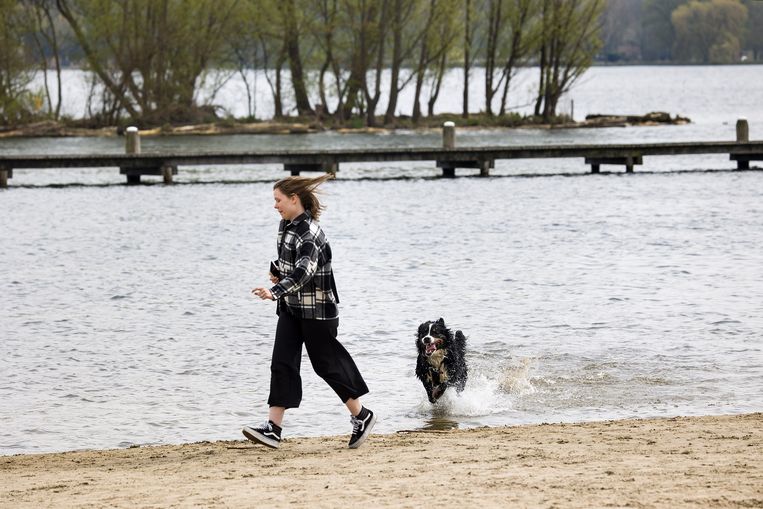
x=441, y=362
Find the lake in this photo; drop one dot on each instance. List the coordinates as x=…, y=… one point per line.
x=128, y=318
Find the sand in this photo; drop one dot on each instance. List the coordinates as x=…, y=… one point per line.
x=679, y=462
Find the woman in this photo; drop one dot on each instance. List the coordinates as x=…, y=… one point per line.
x=307, y=313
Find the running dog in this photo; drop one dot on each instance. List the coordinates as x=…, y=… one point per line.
x=442, y=359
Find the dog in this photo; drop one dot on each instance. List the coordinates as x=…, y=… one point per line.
x=442, y=359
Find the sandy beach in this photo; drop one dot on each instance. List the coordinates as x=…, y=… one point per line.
x=677, y=462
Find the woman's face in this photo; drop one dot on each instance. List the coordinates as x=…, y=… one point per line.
x=288, y=206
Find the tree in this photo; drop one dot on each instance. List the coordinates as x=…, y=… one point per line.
x=249, y=51
x=658, y=35
x=622, y=26
x=326, y=36
x=468, y=58
x=377, y=45
x=15, y=71
x=445, y=34
x=406, y=36
x=570, y=39
x=753, y=40
x=708, y=30
x=291, y=23
x=42, y=28
x=150, y=55
x=423, y=59
x=510, y=42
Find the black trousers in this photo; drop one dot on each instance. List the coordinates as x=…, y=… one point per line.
x=329, y=358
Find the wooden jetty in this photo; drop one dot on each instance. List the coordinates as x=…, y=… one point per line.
x=134, y=164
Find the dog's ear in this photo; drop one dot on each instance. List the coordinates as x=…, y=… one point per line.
x=441, y=322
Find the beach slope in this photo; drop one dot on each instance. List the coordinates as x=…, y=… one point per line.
x=678, y=462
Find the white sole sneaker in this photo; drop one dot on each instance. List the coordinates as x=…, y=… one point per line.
x=365, y=434
x=257, y=437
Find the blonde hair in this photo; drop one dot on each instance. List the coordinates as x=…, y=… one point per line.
x=306, y=189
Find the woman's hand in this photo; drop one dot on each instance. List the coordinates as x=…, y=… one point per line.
x=263, y=293
x=273, y=279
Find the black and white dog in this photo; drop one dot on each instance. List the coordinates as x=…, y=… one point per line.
x=442, y=358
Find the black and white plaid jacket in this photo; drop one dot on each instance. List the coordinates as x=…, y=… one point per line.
x=307, y=284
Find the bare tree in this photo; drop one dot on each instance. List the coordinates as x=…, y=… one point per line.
x=570, y=39
x=467, y=56
x=151, y=54
x=508, y=46
x=325, y=37
x=291, y=29
x=522, y=42
x=377, y=46
x=424, y=59
x=403, y=46
x=15, y=74
x=45, y=37
x=445, y=32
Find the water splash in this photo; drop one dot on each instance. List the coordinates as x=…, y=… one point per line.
x=515, y=380
x=488, y=391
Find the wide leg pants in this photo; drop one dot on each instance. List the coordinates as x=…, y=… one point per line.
x=329, y=358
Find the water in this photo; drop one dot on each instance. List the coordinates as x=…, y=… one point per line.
x=128, y=320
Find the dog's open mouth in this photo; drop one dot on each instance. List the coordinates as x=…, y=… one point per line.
x=430, y=348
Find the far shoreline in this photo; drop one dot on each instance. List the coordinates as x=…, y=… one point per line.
x=297, y=125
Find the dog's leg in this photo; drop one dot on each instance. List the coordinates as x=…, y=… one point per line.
x=461, y=369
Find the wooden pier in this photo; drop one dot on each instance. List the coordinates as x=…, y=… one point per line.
x=134, y=164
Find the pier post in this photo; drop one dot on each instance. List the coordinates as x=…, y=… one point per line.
x=449, y=143
x=167, y=171
x=743, y=136
x=485, y=168
x=743, y=131
x=132, y=146
x=449, y=135
x=4, y=174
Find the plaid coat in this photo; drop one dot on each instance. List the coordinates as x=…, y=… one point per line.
x=307, y=286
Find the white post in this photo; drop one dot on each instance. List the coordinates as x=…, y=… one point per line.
x=449, y=135
x=132, y=146
x=743, y=136
x=132, y=140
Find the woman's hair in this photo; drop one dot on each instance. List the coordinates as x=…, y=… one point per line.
x=306, y=189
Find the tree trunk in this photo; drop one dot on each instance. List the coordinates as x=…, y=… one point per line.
x=467, y=61
x=381, y=35
x=354, y=86
x=517, y=52
x=94, y=62
x=423, y=62
x=39, y=29
x=420, y=70
x=542, y=60
x=397, y=45
x=295, y=59
x=494, y=26
x=437, y=83
x=278, y=96
x=56, y=59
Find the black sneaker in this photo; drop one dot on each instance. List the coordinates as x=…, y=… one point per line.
x=268, y=434
x=361, y=427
